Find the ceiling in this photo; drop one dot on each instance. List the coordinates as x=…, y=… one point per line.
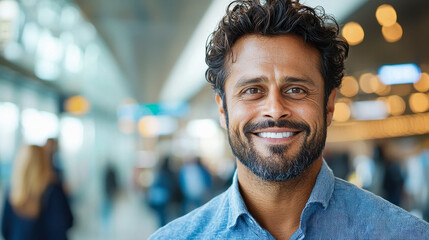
x=146, y=37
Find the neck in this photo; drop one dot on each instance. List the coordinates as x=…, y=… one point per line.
x=277, y=206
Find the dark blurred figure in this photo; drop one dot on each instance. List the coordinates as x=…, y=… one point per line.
x=162, y=191
x=340, y=164
x=36, y=206
x=110, y=183
x=110, y=190
x=195, y=183
x=51, y=148
x=393, y=183
x=393, y=180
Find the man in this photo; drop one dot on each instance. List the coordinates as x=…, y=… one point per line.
x=275, y=67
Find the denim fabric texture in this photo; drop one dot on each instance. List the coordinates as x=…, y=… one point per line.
x=336, y=209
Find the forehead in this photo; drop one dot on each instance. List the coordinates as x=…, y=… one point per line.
x=284, y=56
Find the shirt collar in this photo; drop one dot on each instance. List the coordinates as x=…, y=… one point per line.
x=321, y=193
x=324, y=186
x=236, y=203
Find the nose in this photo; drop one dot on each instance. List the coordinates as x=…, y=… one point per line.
x=275, y=106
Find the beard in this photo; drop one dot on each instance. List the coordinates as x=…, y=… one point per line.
x=280, y=164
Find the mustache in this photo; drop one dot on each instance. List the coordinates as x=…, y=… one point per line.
x=250, y=127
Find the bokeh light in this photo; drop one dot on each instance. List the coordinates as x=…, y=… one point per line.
x=342, y=112
x=423, y=84
x=349, y=86
x=392, y=33
x=419, y=102
x=386, y=15
x=148, y=126
x=77, y=105
x=369, y=82
x=382, y=90
x=395, y=105
x=353, y=33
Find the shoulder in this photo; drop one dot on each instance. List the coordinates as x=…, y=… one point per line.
x=54, y=197
x=55, y=189
x=373, y=213
x=204, y=220
x=349, y=197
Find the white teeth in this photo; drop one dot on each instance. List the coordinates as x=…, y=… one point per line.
x=275, y=135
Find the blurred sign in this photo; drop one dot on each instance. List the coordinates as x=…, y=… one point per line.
x=399, y=74
x=175, y=109
x=137, y=111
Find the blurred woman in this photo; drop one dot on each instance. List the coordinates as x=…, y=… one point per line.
x=36, y=206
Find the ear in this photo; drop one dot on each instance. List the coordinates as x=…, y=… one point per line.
x=222, y=119
x=330, y=106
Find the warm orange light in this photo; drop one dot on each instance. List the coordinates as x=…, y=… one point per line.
x=386, y=15
x=392, y=33
x=353, y=33
x=148, y=126
x=382, y=90
x=406, y=125
x=77, y=105
x=369, y=82
x=395, y=105
x=423, y=84
x=349, y=86
x=419, y=102
x=342, y=112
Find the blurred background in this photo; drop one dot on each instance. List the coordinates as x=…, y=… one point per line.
x=120, y=86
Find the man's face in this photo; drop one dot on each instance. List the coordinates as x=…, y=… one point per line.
x=276, y=117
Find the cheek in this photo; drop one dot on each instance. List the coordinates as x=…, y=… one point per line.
x=240, y=114
x=311, y=113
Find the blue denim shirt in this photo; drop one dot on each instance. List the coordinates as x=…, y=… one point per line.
x=335, y=210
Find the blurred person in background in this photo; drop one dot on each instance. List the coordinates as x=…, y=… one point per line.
x=163, y=191
x=51, y=148
x=417, y=181
x=275, y=66
x=35, y=206
x=195, y=183
x=339, y=163
x=393, y=179
x=110, y=193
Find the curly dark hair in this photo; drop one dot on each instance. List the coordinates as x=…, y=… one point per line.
x=276, y=17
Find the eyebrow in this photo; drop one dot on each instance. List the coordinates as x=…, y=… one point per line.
x=254, y=80
x=247, y=81
x=297, y=80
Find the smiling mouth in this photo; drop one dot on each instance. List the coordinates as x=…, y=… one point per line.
x=276, y=134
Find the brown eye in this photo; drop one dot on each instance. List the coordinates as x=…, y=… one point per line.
x=252, y=91
x=295, y=91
